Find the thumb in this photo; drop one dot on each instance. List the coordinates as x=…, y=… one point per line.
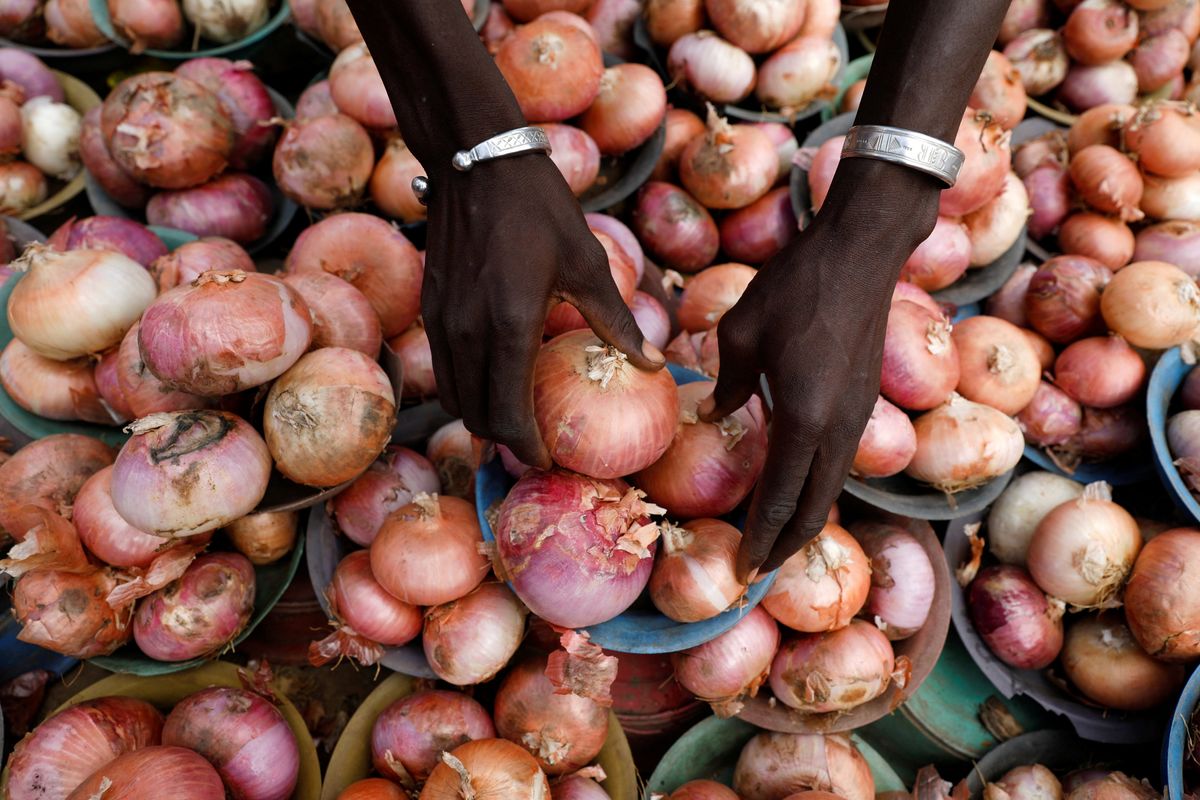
x=601, y=305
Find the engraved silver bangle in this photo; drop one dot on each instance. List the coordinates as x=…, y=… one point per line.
x=907, y=148
x=510, y=143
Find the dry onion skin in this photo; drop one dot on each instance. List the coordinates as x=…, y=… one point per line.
x=823, y=586
x=775, y=765
x=486, y=769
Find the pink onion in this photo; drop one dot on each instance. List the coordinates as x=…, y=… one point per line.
x=145, y=393
x=1159, y=59
x=675, y=228
x=467, y=641
x=902, y=581
x=887, y=444
x=412, y=348
x=628, y=110
x=1087, y=87
x=388, y=485
x=245, y=98
x=236, y=206
x=624, y=238
x=942, y=258
x=1000, y=90
x=1022, y=15
x=725, y=670
x=336, y=25
x=711, y=67
x=192, y=259
x=315, y=101
x=1008, y=302
x=731, y=166
x=758, y=27
x=366, y=617
x=997, y=365
x=1175, y=242
x=987, y=150
x=1106, y=239
x=694, y=576
x=760, y=230
x=962, y=444
x=154, y=773
x=1052, y=417
x=681, y=127
x=920, y=360
x=915, y=294
x=710, y=293
x=61, y=390
x=613, y=22
x=21, y=20
x=575, y=154
x=147, y=24
x=774, y=765
x=112, y=177
x=833, y=671
x=796, y=74
x=651, y=317
x=341, y=315
x=358, y=90
x=391, y=182
x=553, y=68
x=108, y=383
x=822, y=586
x=109, y=233
x=1101, y=372
x=28, y=72
x=324, y=162
x=1063, y=301
x=1040, y=58
x=412, y=733
x=995, y=227
x=105, y=534
x=1099, y=31
x=1012, y=615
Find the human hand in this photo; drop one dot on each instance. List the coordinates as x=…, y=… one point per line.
x=813, y=321
x=505, y=241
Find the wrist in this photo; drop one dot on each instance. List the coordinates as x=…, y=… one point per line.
x=886, y=207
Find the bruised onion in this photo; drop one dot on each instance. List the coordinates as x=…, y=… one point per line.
x=66, y=612
x=47, y=473
x=412, y=733
x=834, y=671
x=822, y=586
x=961, y=445
x=1014, y=618
x=711, y=67
x=732, y=666
x=468, y=640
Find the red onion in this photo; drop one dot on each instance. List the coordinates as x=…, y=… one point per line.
x=1022, y=15
x=1063, y=301
x=166, y=130
x=988, y=155
x=1000, y=90
x=73, y=743
x=245, y=98
x=1012, y=615
x=758, y=27
x=409, y=736
x=367, y=616
x=315, y=101
x=324, y=162
x=760, y=230
x=599, y=558
x=22, y=186
x=467, y=641
x=1109, y=432
x=1158, y=59
x=145, y=393
x=342, y=316
x=373, y=256
x=243, y=736
x=730, y=166
x=694, y=578
x=11, y=133
x=651, y=317
x=1099, y=31
x=622, y=236
x=564, y=317
x=613, y=22
x=192, y=259
x=1175, y=242
x=1152, y=304
x=1008, y=302
x=902, y=582
x=357, y=88
x=200, y=613
x=60, y=390
x=1087, y=87
x=412, y=348
x=1101, y=372
x=112, y=177
x=941, y=259
x=1040, y=58
x=713, y=291
x=681, y=127
x=887, y=444
x=105, y=534
x=22, y=20
x=725, y=670
x=388, y=485
x=391, y=182
x=627, y=110
x=669, y=20
x=236, y=206
x=65, y=612
x=822, y=586
x=154, y=773
x=47, y=473
x=577, y=787
x=833, y=671
x=798, y=73
x=711, y=67
x=962, y=444
x=575, y=154
x=998, y=366
x=1183, y=15
x=28, y=72
x=1102, y=659
x=109, y=233
x=554, y=69
x=773, y=765
x=1105, y=239
x=147, y=24
x=457, y=454
x=1160, y=603
x=109, y=385
x=1049, y=147
x=920, y=359
x=336, y=25
x=1052, y=417
x=674, y=227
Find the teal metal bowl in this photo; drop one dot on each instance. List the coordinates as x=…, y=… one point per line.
x=855, y=71
x=1168, y=374
x=1177, y=747
x=242, y=47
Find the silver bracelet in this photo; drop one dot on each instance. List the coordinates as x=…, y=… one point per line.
x=529, y=139
x=907, y=148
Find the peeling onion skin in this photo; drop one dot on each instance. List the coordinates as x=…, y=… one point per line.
x=415, y=731
x=694, y=578
x=47, y=604
x=48, y=473
x=775, y=765
x=1160, y=600
x=497, y=768
x=823, y=586
x=324, y=162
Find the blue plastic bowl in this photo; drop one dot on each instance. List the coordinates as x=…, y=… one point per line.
x=1122, y=471
x=233, y=50
x=1168, y=374
x=636, y=630
x=1175, y=745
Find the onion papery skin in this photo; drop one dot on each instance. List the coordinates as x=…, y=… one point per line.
x=833, y=671
x=76, y=303
x=1063, y=300
x=72, y=744
x=775, y=765
x=147, y=24
x=711, y=67
x=675, y=228
x=341, y=314
x=941, y=259
x=713, y=291
x=798, y=73
x=457, y=454
x=243, y=736
x=694, y=578
x=1040, y=58
x=1082, y=550
x=998, y=365
x=731, y=166
x=415, y=730
x=264, y=327
x=920, y=359
x=200, y=613
x=1105, y=239
x=1099, y=31
x=1012, y=615
x=145, y=393
x=823, y=586
x=1085, y=87
x=154, y=773
x=372, y=255
x=48, y=473
x=575, y=411
x=1108, y=181
x=1052, y=417
x=116, y=182
x=413, y=350
x=758, y=27
x=1152, y=304
x=235, y=205
x=988, y=156
x=167, y=131
x=553, y=68
x=1101, y=372
x=595, y=564
x=1103, y=660
x=105, y=534
x=1176, y=243
x=124, y=236
x=61, y=390
x=732, y=666
x=360, y=602
x=324, y=162
x=709, y=468
x=427, y=552
x=962, y=444
x=22, y=186
x=564, y=732
x=357, y=88
x=627, y=111
x=47, y=604
x=245, y=98
x=887, y=443
x=1160, y=604
x=760, y=230
x=1000, y=90
x=902, y=580
x=391, y=182
x=496, y=768
x=192, y=259
x=469, y=640
x=187, y=472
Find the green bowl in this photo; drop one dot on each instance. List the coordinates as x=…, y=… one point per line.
x=233, y=50
x=855, y=71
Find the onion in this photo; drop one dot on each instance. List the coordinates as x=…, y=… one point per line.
x=75, y=303
x=703, y=790
x=191, y=259
x=243, y=736
x=709, y=468
x=707, y=296
x=1181, y=440
x=822, y=586
x=1099, y=31
x=243, y=95
x=47, y=473
x=1109, y=432
x=1103, y=124
x=108, y=383
x=1052, y=417
x=264, y=538
x=942, y=258
x=60, y=390
x=681, y=127
x=426, y=553
x=1021, y=16
x=1063, y=300
x=11, y=136
x=409, y=736
x=112, y=177
x=412, y=348
x=357, y=88
x=1040, y=58
x=200, y=613
x=147, y=24
x=627, y=110
x=575, y=154
x=731, y=666
x=336, y=25
x=674, y=227
x=1000, y=91
x=553, y=68
x=1103, y=660
x=72, y=744
x=920, y=359
x=652, y=319
x=1105, y=84
x=69, y=23
x=694, y=579
x=1112, y=785
x=22, y=186
x=391, y=182
x=998, y=224
x=226, y=22
x=669, y=20
x=917, y=295
x=622, y=236
x=1183, y=15
x=117, y=234
x=1008, y=302
x=798, y=73
x=1159, y=59
x=757, y=27
x=235, y=206
x=961, y=445
x=1083, y=549
x=65, y=612
x=105, y=534
x=597, y=561
x=987, y=151
x=760, y=230
x=730, y=166
x=492, y=768
x=1014, y=618
x=564, y=317
x=1159, y=602
x=368, y=617
x=22, y=20
x=834, y=671
x=1176, y=243
x=28, y=72
x=564, y=732
x=1047, y=148
x=529, y=10
x=1152, y=305
x=50, y=132
x=998, y=366
x=166, y=130
x=375, y=788
x=1033, y=782
x=457, y=454
x=887, y=443
x=1165, y=139
x=711, y=67
x=145, y=393
x=316, y=101
x=1105, y=239
x=1172, y=198
x=1101, y=372
x=467, y=641
x=324, y=162
x=774, y=765
x=1108, y=181
x=577, y=787
x=902, y=580
x=370, y=254
x=613, y=21
x=342, y=316
x=154, y=773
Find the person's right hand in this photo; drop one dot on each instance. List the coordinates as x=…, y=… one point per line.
x=505, y=241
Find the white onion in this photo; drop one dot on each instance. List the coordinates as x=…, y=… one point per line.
x=995, y=227
x=226, y=21
x=1016, y=514
x=50, y=132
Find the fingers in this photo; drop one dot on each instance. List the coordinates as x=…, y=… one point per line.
x=443, y=362
x=828, y=471
x=510, y=417
x=738, y=376
x=595, y=295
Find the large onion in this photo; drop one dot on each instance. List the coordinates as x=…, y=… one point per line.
x=674, y=227
x=1160, y=605
x=712, y=67
x=998, y=365
x=553, y=68
x=412, y=733
x=1152, y=304
x=962, y=444
x=823, y=586
x=1103, y=660
x=324, y=162
x=241, y=93
x=920, y=359
x=731, y=166
x=733, y=665
x=775, y=765
x=467, y=641
x=493, y=768
x=154, y=773
x=833, y=671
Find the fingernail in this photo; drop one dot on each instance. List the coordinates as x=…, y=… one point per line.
x=651, y=352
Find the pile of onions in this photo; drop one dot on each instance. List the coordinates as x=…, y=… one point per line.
x=1015, y=515
x=324, y=162
x=711, y=67
x=554, y=68
x=988, y=153
x=467, y=641
x=694, y=577
x=342, y=317
x=492, y=768
x=65, y=612
x=775, y=765
x=243, y=736
x=1012, y=615
x=920, y=359
x=902, y=581
x=1152, y=304
x=412, y=733
x=187, y=472
x=1063, y=300
x=1052, y=417
x=599, y=557
x=1103, y=660
x=388, y=485
x=1160, y=605
x=236, y=205
x=62, y=390
x=675, y=228
x=797, y=73
x=941, y=259
x=962, y=444
x=200, y=613
x=833, y=671
x=627, y=110
x=998, y=365
x=730, y=166
x=1101, y=372
x=822, y=587
x=1039, y=57
x=367, y=615
x=391, y=182
x=725, y=670
x=48, y=473
x=427, y=552
x=1082, y=550
x=265, y=537
x=1108, y=181
x=564, y=732
x=243, y=96
x=887, y=444
x=1108, y=240
x=707, y=296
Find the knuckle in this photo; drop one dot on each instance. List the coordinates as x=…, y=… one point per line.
x=774, y=515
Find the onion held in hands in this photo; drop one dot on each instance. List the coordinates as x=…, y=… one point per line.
x=823, y=586
x=834, y=671
x=725, y=670
x=694, y=577
x=1013, y=616
x=730, y=166
x=412, y=733
x=962, y=444
x=469, y=640
x=324, y=162
x=1160, y=599
x=1103, y=660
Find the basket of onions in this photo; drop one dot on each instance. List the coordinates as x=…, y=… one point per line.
x=178, y=30
x=720, y=753
x=1055, y=762
x=188, y=150
x=211, y=732
x=56, y=30
x=418, y=738
x=1068, y=607
x=1173, y=408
